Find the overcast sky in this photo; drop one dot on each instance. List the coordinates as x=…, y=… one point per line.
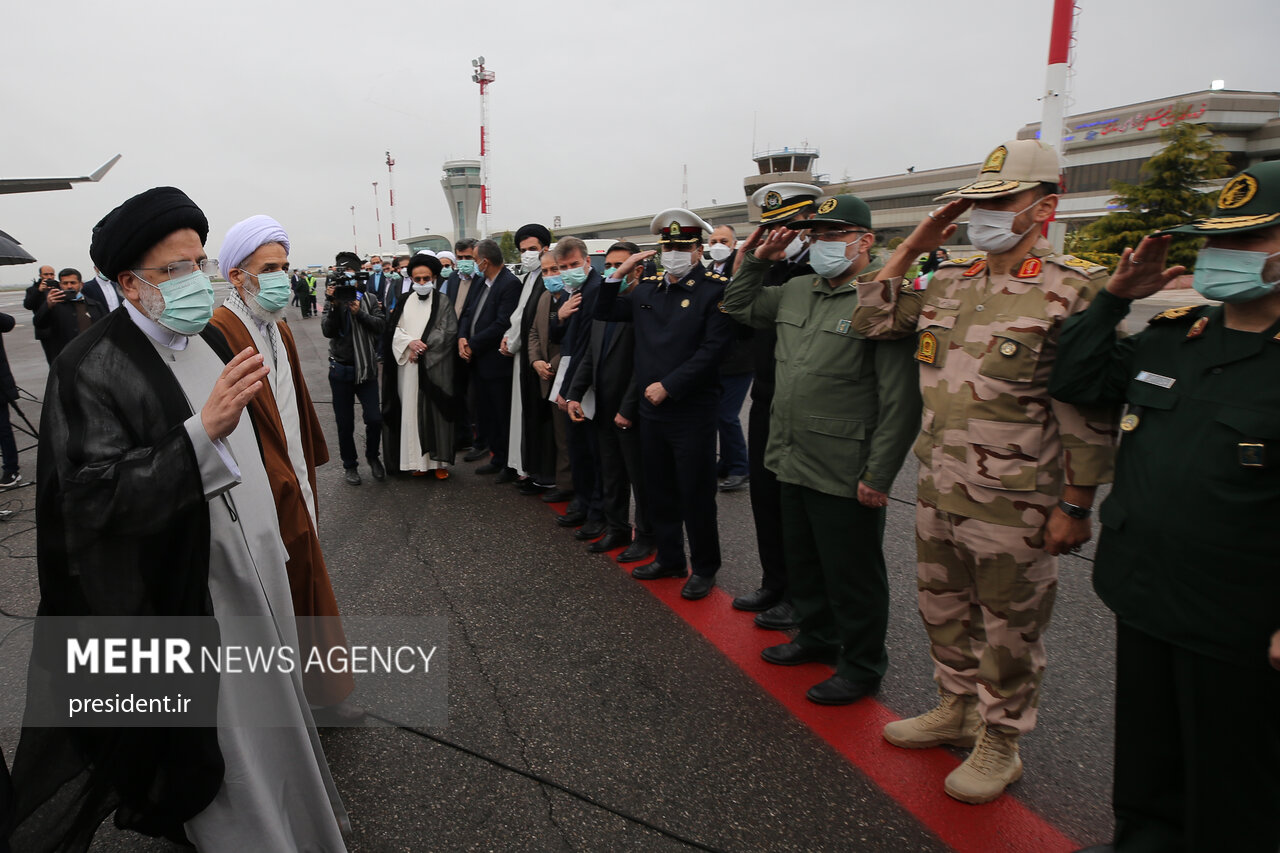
x=288, y=108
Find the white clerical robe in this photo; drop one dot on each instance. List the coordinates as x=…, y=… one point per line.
x=277, y=792
x=515, y=346
x=413, y=322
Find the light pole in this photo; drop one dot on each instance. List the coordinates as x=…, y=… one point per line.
x=484, y=78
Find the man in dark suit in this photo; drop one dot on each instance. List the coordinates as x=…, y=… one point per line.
x=736, y=372
x=102, y=289
x=484, y=321
x=457, y=273
x=379, y=282
x=66, y=311
x=34, y=298
x=607, y=374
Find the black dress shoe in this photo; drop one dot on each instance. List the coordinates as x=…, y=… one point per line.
x=697, y=586
x=506, y=475
x=761, y=599
x=572, y=519
x=779, y=617
x=488, y=468
x=376, y=469
x=529, y=487
x=656, y=570
x=590, y=530
x=735, y=483
x=637, y=550
x=838, y=690
x=794, y=654
x=609, y=542
x=476, y=454
x=352, y=475
x=555, y=496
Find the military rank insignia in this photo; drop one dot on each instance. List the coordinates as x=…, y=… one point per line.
x=1009, y=349
x=1129, y=422
x=1238, y=192
x=1030, y=268
x=1198, y=327
x=684, y=303
x=827, y=206
x=927, y=349
x=772, y=200
x=975, y=269
x=995, y=160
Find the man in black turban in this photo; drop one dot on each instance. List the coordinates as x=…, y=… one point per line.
x=149, y=507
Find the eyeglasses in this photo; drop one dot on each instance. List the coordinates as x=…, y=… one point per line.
x=834, y=236
x=178, y=269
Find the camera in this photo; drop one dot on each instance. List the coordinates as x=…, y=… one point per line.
x=348, y=284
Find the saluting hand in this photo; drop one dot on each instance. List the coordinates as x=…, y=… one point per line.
x=1141, y=271
x=632, y=262
x=240, y=381
x=936, y=227
x=774, y=246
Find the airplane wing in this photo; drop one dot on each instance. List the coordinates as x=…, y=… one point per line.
x=39, y=185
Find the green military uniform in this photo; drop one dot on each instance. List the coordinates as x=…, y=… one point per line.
x=1189, y=560
x=845, y=410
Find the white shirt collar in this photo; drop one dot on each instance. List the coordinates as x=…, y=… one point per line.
x=164, y=337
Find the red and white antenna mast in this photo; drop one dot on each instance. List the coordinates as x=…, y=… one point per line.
x=1054, y=103
x=355, y=243
x=377, y=215
x=484, y=78
x=391, y=192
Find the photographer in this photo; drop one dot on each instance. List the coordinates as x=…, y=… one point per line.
x=32, y=301
x=65, y=312
x=353, y=321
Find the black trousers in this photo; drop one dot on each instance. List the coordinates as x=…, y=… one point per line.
x=345, y=393
x=8, y=445
x=620, y=471
x=836, y=574
x=493, y=414
x=680, y=472
x=766, y=496
x=1197, y=750
x=584, y=460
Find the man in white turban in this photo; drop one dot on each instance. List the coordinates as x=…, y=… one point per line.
x=255, y=261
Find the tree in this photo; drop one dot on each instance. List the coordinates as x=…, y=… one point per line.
x=1172, y=192
x=507, y=243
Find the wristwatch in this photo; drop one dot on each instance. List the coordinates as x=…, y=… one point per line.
x=1075, y=511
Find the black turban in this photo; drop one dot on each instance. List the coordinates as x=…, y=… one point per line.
x=127, y=233
x=350, y=260
x=425, y=260
x=533, y=229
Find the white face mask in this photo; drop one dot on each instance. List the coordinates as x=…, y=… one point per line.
x=677, y=264
x=531, y=260
x=795, y=247
x=423, y=289
x=720, y=252
x=991, y=231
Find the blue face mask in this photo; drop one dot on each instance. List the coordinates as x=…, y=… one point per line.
x=1232, y=275
x=466, y=267
x=188, y=303
x=828, y=258
x=553, y=283
x=377, y=267
x=273, y=290
x=573, y=279
x=445, y=272
x=609, y=271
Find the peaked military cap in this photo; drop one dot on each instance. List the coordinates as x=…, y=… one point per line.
x=782, y=201
x=677, y=225
x=1249, y=200
x=1017, y=165
x=839, y=209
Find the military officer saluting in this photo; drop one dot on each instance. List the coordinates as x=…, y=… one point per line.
x=680, y=337
x=1189, y=556
x=1007, y=474
x=843, y=417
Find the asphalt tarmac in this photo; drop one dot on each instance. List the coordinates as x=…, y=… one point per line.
x=584, y=713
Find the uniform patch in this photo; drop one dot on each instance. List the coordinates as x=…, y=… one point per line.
x=842, y=327
x=827, y=206
x=975, y=269
x=684, y=303
x=961, y=262
x=1238, y=192
x=720, y=305
x=1172, y=314
x=927, y=350
x=1155, y=379
x=1030, y=268
x=1089, y=268
x=1252, y=454
x=1129, y=423
x=995, y=160
x=1009, y=349
x=1198, y=327
x=772, y=199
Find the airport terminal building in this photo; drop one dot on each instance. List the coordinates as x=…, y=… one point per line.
x=1099, y=147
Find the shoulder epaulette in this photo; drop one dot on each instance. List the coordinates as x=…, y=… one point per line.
x=1184, y=314
x=1071, y=262
x=654, y=277
x=966, y=261
x=715, y=276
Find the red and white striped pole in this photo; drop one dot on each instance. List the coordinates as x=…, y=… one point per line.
x=484, y=78
x=377, y=215
x=1054, y=102
x=391, y=192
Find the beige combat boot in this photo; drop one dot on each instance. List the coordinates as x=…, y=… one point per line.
x=993, y=765
x=954, y=721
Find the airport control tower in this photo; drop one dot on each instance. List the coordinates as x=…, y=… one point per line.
x=461, y=183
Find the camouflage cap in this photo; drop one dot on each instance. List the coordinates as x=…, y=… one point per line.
x=1248, y=201
x=1017, y=165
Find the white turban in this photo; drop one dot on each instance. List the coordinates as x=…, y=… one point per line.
x=449, y=256
x=245, y=237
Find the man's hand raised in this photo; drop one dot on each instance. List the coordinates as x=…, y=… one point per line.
x=240, y=381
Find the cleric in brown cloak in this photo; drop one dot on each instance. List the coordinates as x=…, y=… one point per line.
x=418, y=407
x=255, y=260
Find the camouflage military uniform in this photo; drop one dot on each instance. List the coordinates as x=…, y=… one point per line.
x=995, y=450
